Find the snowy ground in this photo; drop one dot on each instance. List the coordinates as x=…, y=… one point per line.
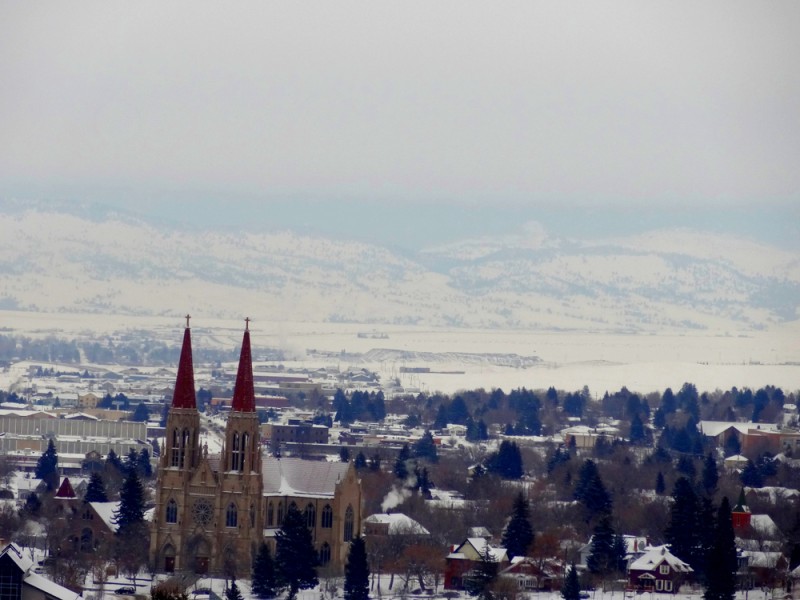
x=569, y=360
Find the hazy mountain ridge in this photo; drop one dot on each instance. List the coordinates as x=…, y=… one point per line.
x=59, y=261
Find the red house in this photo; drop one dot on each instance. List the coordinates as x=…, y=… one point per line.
x=658, y=570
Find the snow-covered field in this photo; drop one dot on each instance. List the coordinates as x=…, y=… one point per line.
x=569, y=360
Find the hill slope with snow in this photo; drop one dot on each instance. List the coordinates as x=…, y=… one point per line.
x=60, y=261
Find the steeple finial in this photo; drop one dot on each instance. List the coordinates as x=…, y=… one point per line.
x=184, y=395
x=247, y=323
x=188, y=316
x=244, y=396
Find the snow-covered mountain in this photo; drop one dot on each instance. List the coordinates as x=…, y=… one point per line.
x=58, y=260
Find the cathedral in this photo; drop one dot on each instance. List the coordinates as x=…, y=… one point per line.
x=212, y=511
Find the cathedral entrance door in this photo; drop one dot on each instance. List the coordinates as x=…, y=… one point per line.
x=201, y=565
x=169, y=564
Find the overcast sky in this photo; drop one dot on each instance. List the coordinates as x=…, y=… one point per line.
x=647, y=108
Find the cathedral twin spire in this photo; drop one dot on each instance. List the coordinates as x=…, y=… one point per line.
x=243, y=393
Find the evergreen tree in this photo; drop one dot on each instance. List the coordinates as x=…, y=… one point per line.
x=722, y=560
x=47, y=466
x=233, y=592
x=356, y=572
x=571, y=590
x=295, y=558
x=682, y=532
x=344, y=454
x=425, y=448
x=660, y=485
x=603, y=560
x=143, y=464
x=591, y=492
x=751, y=476
x=440, y=422
x=96, y=490
x=400, y=465
x=112, y=460
x=710, y=475
x=637, y=434
x=360, y=461
x=131, y=509
x=131, y=460
x=506, y=462
x=141, y=414
x=32, y=504
x=265, y=578
x=518, y=535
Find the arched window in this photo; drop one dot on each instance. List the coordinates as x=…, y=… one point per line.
x=327, y=517
x=243, y=451
x=325, y=554
x=252, y=515
x=270, y=515
x=86, y=540
x=87, y=515
x=348, y=524
x=292, y=506
x=280, y=513
x=231, y=516
x=184, y=446
x=176, y=448
x=311, y=516
x=235, y=456
x=172, y=511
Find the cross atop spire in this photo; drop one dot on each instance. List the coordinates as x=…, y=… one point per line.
x=184, y=395
x=244, y=396
x=247, y=323
x=188, y=316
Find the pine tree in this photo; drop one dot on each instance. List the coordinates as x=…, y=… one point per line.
x=233, y=592
x=114, y=461
x=344, y=454
x=131, y=460
x=96, y=490
x=425, y=448
x=602, y=559
x=141, y=414
x=518, y=535
x=637, y=429
x=360, y=461
x=591, y=492
x=506, y=462
x=131, y=509
x=722, y=560
x=143, y=464
x=356, y=572
x=265, y=578
x=482, y=576
x=682, y=532
x=400, y=466
x=295, y=558
x=47, y=466
x=710, y=475
x=32, y=504
x=660, y=485
x=571, y=590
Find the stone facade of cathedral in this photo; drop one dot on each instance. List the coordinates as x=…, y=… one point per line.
x=213, y=511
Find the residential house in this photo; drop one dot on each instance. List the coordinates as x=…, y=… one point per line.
x=466, y=558
x=658, y=570
x=534, y=574
x=18, y=579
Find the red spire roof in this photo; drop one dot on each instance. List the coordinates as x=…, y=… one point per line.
x=65, y=490
x=244, y=396
x=184, y=396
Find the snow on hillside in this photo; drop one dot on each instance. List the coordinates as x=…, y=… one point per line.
x=57, y=262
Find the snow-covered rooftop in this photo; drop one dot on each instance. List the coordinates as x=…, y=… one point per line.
x=298, y=477
x=398, y=523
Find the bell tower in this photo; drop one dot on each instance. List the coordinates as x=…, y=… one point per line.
x=180, y=457
x=240, y=466
x=182, y=449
